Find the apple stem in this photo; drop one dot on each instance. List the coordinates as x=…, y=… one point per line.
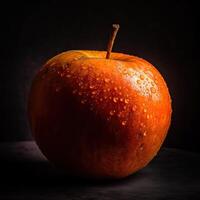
x=115, y=28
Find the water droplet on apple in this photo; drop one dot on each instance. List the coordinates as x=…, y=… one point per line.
x=134, y=108
x=101, y=99
x=108, y=118
x=79, y=93
x=83, y=101
x=57, y=89
x=84, y=67
x=138, y=81
x=74, y=91
x=106, y=80
x=91, y=86
x=145, y=110
x=123, y=123
x=148, y=116
x=112, y=112
x=121, y=99
x=153, y=90
x=125, y=71
x=145, y=133
x=115, y=88
x=119, y=114
x=141, y=147
x=126, y=101
x=94, y=92
x=152, y=83
x=115, y=99
x=68, y=75
x=141, y=77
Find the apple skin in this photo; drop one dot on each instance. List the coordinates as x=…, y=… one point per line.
x=96, y=117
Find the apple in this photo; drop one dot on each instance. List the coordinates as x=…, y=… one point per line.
x=99, y=114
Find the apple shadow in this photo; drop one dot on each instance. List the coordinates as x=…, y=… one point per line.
x=26, y=174
x=20, y=171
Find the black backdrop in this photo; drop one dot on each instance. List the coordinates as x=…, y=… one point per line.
x=163, y=32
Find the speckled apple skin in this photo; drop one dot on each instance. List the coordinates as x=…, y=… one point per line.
x=97, y=117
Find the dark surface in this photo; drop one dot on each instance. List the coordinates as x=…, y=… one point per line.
x=26, y=174
x=163, y=32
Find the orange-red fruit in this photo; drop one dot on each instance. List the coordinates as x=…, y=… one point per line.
x=97, y=117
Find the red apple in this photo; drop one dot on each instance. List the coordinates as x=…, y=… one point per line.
x=98, y=117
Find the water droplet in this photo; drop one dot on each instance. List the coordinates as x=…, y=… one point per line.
x=62, y=74
x=80, y=83
x=105, y=97
x=94, y=92
x=153, y=90
x=108, y=89
x=126, y=101
x=112, y=112
x=57, y=89
x=84, y=67
x=101, y=99
x=97, y=78
x=74, y=91
x=141, y=124
x=91, y=86
x=106, y=80
x=119, y=114
x=115, y=99
x=108, y=118
x=145, y=110
x=124, y=107
x=121, y=99
x=79, y=93
x=120, y=93
x=148, y=117
x=138, y=81
x=68, y=75
x=83, y=101
x=125, y=71
x=134, y=108
x=141, y=77
x=145, y=133
x=123, y=123
x=115, y=88
x=141, y=147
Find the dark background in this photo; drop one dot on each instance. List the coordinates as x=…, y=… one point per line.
x=162, y=32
